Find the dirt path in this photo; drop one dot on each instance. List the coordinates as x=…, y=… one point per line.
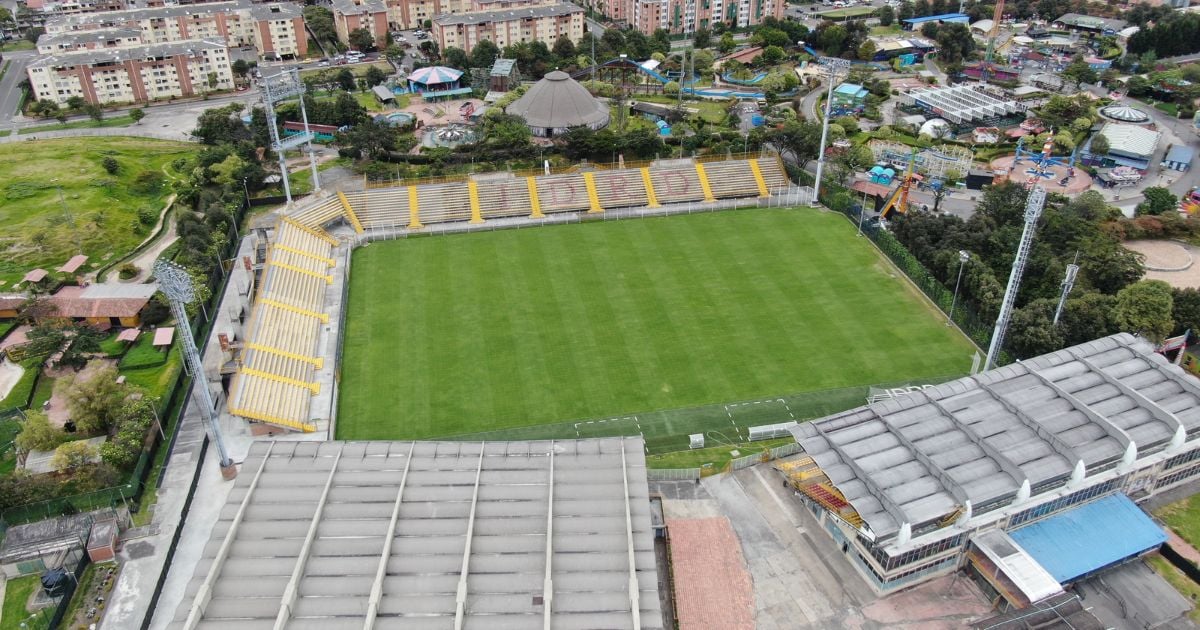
x=10, y=373
x=145, y=260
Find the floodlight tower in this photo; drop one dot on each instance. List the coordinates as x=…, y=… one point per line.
x=834, y=66
x=277, y=88
x=1067, y=284
x=1033, y=211
x=176, y=283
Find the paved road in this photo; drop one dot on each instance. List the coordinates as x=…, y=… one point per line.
x=10, y=96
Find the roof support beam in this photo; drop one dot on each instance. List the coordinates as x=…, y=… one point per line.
x=548, y=581
x=1113, y=431
x=460, y=607
x=381, y=571
x=1060, y=447
x=873, y=488
x=1007, y=465
x=945, y=479
x=204, y=593
x=290, y=592
x=635, y=605
x=1178, y=431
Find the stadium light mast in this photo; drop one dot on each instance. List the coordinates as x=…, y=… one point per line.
x=833, y=65
x=275, y=89
x=1067, y=284
x=1033, y=211
x=176, y=283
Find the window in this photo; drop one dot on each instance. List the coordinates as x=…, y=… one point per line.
x=1182, y=459
x=920, y=553
x=1050, y=507
x=1174, y=477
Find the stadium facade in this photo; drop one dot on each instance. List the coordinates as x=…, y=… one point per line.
x=988, y=471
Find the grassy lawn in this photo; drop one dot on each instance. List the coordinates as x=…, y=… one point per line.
x=515, y=328
x=33, y=232
x=1182, y=583
x=894, y=29
x=1183, y=517
x=716, y=456
x=839, y=14
x=9, y=428
x=116, y=121
x=16, y=593
x=18, y=396
x=43, y=391
x=143, y=354
x=359, y=69
x=20, y=44
x=111, y=347
x=156, y=381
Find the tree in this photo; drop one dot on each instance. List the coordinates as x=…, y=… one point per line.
x=564, y=48
x=1099, y=145
x=1087, y=317
x=772, y=54
x=240, y=68
x=1158, y=201
x=506, y=130
x=94, y=111
x=34, y=33
x=727, y=43
x=219, y=126
x=375, y=76
x=1079, y=71
x=1031, y=331
x=1146, y=308
x=1107, y=266
x=73, y=455
x=799, y=139
x=703, y=60
x=345, y=79
x=1186, y=310
x=671, y=88
x=429, y=48
x=110, y=164
x=866, y=51
x=319, y=21
x=702, y=38
x=96, y=402
x=37, y=434
x=886, y=16
x=76, y=102
x=137, y=114
x=361, y=39
x=484, y=54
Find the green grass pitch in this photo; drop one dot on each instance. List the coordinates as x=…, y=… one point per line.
x=471, y=333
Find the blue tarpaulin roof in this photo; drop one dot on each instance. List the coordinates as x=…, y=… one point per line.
x=1180, y=153
x=1090, y=537
x=944, y=17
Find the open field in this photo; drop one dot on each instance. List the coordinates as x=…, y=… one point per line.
x=116, y=121
x=34, y=230
x=1183, y=517
x=595, y=326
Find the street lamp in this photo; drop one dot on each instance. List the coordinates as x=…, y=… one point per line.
x=963, y=257
x=833, y=65
x=68, y=217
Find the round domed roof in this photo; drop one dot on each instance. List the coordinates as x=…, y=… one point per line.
x=559, y=102
x=931, y=127
x=1124, y=113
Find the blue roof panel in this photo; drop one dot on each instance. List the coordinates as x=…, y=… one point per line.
x=944, y=17
x=1180, y=153
x=1090, y=537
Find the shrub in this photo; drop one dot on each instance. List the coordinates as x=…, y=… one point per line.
x=127, y=271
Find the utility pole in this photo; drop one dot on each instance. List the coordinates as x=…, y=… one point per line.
x=834, y=66
x=176, y=283
x=1067, y=284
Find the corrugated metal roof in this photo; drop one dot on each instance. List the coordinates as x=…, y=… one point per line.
x=1090, y=537
x=1131, y=140
x=494, y=533
x=923, y=456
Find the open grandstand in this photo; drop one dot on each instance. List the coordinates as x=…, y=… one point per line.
x=1028, y=471
x=289, y=344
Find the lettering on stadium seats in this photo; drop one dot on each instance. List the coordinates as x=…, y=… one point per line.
x=559, y=190
x=618, y=185
x=676, y=183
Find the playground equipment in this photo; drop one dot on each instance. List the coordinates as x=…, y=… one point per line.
x=1191, y=203
x=988, y=69
x=1043, y=161
x=934, y=162
x=898, y=202
x=1123, y=177
x=620, y=71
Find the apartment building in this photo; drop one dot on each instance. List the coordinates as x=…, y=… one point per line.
x=276, y=29
x=687, y=16
x=89, y=40
x=135, y=74
x=351, y=15
x=67, y=7
x=406, y=14
x=528, y=24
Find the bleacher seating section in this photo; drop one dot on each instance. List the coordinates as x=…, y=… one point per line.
x=276, y=379
x=499, y=195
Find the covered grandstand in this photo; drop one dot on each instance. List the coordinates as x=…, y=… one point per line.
x=390, y=535
x=284, y=357
x=908, y=483
x=960, y=104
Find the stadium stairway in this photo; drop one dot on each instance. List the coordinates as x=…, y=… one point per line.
x=733, y=179
x=772, y=171
x=443, y=203
x=503, y=196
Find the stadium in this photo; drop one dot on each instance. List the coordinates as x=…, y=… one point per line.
x=588, y=326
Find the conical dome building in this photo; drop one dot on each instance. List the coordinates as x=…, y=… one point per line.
x=557, y=103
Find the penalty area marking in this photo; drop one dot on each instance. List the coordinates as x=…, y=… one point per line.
x=636, y=422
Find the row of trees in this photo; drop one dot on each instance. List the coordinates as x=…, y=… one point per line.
x=1177, y=33
x=1108, y=297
